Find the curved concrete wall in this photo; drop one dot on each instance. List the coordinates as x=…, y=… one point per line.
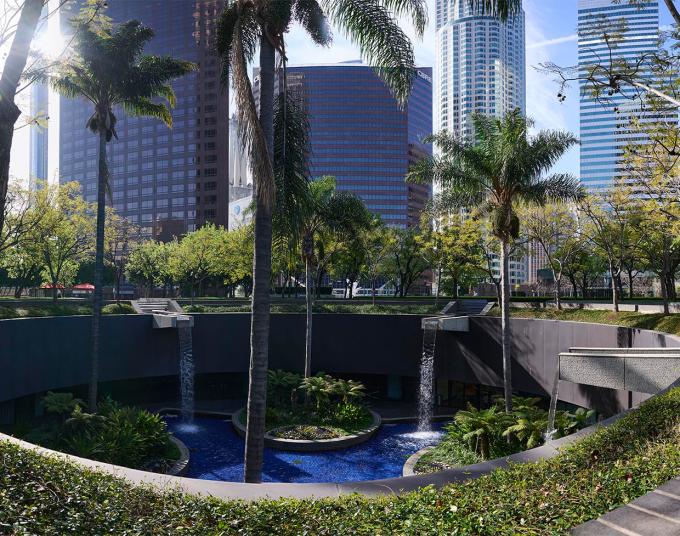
x=50, y=353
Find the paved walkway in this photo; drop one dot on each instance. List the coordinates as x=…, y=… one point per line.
x=654, y=514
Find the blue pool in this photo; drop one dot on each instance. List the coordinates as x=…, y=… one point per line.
x=217, y=454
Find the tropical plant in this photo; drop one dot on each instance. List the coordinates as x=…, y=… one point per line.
x=60, y=403
x=318, y=389
x=348, y=390
x=503, y=166
x=478, y=427
x=245, y=24
x=108, y=69
x=529, y=427
x=281, y=384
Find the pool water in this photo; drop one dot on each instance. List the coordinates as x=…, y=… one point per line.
x=216, y=453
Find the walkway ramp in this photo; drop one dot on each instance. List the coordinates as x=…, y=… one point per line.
x=167, y=313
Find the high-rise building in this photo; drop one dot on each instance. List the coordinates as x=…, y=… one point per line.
x=240, y=175
x=38, y=148
x=169, y=181
x=633, y=30
x=479, y=66
x=359, y=135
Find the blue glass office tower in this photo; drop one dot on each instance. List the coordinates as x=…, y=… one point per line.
x=605, y=123
x=38, y=148
x=168, y=181
x=359, y=134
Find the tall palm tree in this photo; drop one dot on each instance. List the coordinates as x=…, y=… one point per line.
x=109, y=70
x=502, y=167
x=245, y=25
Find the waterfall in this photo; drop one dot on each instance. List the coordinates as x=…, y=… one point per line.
x=551, y=431
x=186, y=373
x=426, y=389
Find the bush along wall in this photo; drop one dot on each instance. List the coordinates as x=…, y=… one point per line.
x=43, y=495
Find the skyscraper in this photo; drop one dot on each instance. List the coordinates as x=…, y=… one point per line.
x=479, y=66
x=169, y=181
x=38, y=148
x=359, y=135
x=605, y=122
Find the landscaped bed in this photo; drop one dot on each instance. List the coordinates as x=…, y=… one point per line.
x=358, y=307
x=43, y=495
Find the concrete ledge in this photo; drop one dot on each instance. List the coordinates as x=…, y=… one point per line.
x=180, y=466
x=410, y=465
x=311, y=445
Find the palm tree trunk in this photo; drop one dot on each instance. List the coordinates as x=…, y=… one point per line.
x=261, y=300
x=615, y=289
x=439, y=284
x=506, y=331
x=11, y=74
x=309, y=298
x=98, y=274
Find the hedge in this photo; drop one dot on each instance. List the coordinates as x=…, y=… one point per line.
x=43, y=495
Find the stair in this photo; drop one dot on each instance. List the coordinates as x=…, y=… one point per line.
x=467, y=307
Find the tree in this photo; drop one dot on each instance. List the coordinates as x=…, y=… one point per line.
x=235, y=265
x=65, y=234
x=15, y=63
x=503, y=166
x=612, y=220
x=553, y=227
x=108, y=70
x=243, y=25
x=375, y=243
x=121, y=236
x=197, y=256
x=584, y=266
x=405, y=262
x=144, y=264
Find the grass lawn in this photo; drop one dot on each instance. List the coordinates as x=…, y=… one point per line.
x=656, y=321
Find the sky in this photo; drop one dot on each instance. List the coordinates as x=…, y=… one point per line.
x=550, y=36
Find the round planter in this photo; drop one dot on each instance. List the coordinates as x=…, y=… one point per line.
x=180, y=466
x=311, y=445
x=412, y=460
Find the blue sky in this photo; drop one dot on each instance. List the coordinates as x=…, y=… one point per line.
x=550, y=36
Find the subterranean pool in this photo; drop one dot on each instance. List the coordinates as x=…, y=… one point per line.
x=216, y=453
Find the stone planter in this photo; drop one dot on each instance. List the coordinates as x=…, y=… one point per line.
x=412, y=460
x=312, y=445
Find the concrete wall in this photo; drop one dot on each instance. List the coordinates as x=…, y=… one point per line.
x=50, y=353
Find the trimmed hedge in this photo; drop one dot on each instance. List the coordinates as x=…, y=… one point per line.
x=41, y=495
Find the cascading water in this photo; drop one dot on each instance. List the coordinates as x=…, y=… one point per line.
x=551, y=431
x=426, y=390
x=186, y=373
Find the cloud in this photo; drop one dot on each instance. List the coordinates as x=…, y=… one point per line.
x=555, y=41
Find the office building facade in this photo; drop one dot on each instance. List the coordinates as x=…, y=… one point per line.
x=167, y=181
x=359, y=135
x=605, y=122
x=39, y=141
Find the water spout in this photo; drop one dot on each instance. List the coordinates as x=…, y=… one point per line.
x=426, y=389
x=186, y=373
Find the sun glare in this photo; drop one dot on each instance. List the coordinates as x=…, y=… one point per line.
x=49, y=43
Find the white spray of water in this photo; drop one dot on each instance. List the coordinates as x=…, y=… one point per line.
x=426, y=390
x=186, y=373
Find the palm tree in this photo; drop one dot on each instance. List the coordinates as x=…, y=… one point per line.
x=326, y=211
x=243, y=26
x=479, y=426
x=109, y=70
x=502, y=167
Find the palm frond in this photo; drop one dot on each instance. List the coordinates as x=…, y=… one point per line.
x=312, y=18
x=415, y=10
x=381, y=41
x=502, y=9
x=546, y=148
x=142, y=107
x=558, y=187
x=224, y=40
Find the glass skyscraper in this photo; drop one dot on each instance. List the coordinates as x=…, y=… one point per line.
x=479, y=67
x=38, y=148
x=168, y=181
x=605, y=122
x=359, y=135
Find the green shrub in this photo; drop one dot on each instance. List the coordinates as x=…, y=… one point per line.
x=122, y=308
x=61, y=403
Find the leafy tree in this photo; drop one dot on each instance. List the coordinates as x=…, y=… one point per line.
x=585, y=266
x=554, y=228
x=406, y=262
x=612, y=222
x=121, y=236
x=478, y=427
x=502, y=167
x=144, y=264
x=235, y=266
x=375, y=243
x=108, y=69
x=65, y=234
